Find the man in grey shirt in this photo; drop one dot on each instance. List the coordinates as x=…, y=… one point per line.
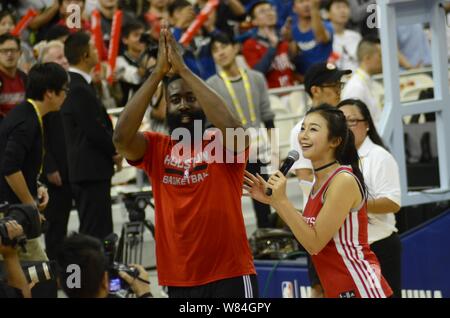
x=246, y=93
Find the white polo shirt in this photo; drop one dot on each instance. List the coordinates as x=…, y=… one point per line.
x=360, y=86
x=382, y=178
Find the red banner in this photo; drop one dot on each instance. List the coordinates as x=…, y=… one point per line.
x=114, y=44
x=195, y=26
x=23, y=23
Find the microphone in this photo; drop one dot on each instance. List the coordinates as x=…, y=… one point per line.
x=292, y=157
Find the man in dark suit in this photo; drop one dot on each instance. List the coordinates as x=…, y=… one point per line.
x=88, y=131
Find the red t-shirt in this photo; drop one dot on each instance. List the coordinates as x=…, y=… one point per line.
x=280, y=73
x=346, y=266
x=199, y=227
x=12, y=92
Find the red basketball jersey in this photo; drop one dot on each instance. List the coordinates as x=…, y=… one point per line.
x=346, y=266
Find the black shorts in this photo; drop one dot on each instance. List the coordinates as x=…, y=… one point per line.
x=236, y=287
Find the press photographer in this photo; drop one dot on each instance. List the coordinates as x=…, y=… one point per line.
x=22, y=144
x=100, y=276
x=14, y=283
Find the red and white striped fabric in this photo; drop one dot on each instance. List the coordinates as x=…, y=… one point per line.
x=346, y=266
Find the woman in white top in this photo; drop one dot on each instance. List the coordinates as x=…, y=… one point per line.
x=381, y=175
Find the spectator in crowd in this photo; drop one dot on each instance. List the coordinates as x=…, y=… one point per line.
x=414, y=45
x=56, y=174
x=237, y=86
x=88, y=133
x=265, y=51
x=107, y=10
x=345, y=41
x=360, y=85
x=12, y=79
x=157, y=11
x=128, y=68
x=22, y=143
x=16, y=284
x=196, y=198
x=382, y=178
x=230, y=12
x=87, y=252
x=197, y=55
x=53, y=51
x=7, y=24
x=314, y=37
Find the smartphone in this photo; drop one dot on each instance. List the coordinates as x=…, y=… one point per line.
x=114, y=285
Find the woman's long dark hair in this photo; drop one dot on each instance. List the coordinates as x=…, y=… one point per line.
x=346, y=153
x=364, y=110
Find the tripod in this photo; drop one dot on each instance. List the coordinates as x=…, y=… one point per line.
x=131, y=242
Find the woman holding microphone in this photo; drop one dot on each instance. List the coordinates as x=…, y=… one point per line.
x=333, y=227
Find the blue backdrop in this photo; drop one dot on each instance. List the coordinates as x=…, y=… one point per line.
x=425, y=266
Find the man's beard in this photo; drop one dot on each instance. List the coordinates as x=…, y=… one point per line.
x=179, y=120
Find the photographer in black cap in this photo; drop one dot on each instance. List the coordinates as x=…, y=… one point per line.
x=97, y=279
x=323, y=85
x=16, y=284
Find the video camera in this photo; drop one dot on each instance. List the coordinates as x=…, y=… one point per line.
x=24, y=214
x=135, y=203
x=116, y=283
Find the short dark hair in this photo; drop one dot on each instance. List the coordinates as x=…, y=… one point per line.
x=221, y=38
x=254, y=5
x=169, y=79
x=177, y=4
x=76, y=46
x=367, y=46
x=6, y=13
x=56, y=32
x=86, y=252
x=45, y=77
x=131, y=26
x=9, y=37
x=331, y=2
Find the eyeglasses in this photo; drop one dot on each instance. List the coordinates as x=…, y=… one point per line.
x=353, y=122
x=337, y=85
x=9, y=51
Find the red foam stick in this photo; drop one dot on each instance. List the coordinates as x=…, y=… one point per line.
x=23, y=23
x=96, y=30
x=114, y=44
x=189, y=34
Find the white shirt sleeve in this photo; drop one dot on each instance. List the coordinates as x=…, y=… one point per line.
x=386, y=183
x=126, y=72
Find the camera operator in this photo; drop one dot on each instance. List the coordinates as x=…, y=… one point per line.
x=15, y=277
x=87, y=252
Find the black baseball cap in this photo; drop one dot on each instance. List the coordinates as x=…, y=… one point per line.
x=322, y=73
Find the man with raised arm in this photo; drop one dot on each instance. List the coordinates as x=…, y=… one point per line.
x=201, y=243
